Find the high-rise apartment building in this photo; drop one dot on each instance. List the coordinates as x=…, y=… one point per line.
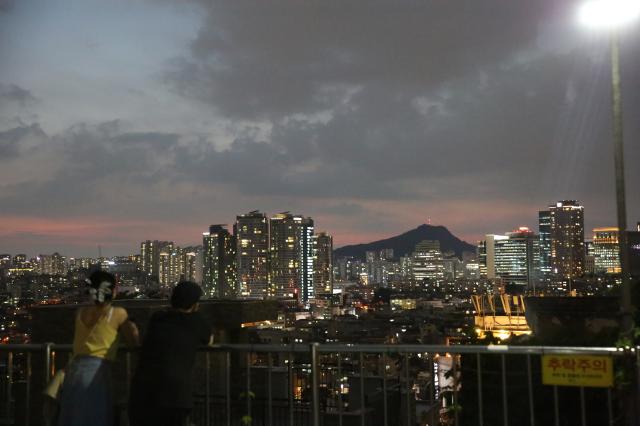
x=291, y=256
x=567, y=239
x=346, y=269
x=605, y=249
x=191, y=264
x=323, y=267
x=51, y=264
x=219, y=263
x=150, y=256
x=516, y=257
x=544, y=235
x=252, y=254
x=427, y=262
x=169, y=257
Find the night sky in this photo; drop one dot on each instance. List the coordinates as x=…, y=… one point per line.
x=151, y=119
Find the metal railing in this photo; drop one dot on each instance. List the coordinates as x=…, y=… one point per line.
x=351, y=384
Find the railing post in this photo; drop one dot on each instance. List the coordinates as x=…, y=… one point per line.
x=583, y=414
x=291, y=384
x=248, y=393
x=556, y=406
x=269, y=390
x=456, y=413
x=480, y=413
x=207, y=398
x=47, y=362
x=532, y=418
x=315, y=384
x=610, y=407
x=385, y=408
x=27, y=406
x=228, y=385
x=505, y=406
x=363, y=412
x=408, y=388
x=9, y=386
x=47, y=373
x=340, y=407
x=637, y=348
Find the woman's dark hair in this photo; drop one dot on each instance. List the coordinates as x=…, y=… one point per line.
x=185, y=295
x=102, y=284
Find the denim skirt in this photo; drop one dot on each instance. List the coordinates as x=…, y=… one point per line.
x=86, y=397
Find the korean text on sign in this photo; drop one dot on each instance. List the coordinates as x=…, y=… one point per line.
x=577, y=370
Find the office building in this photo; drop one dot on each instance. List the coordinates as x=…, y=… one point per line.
x=219, y=278
x=515, y=257
x=544, y=235
x=605, y=249
x=252, y=254
x=487, y=255
x=427, y=262
x=567, y=239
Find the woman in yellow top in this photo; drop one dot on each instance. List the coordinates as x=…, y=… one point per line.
x=86, y=397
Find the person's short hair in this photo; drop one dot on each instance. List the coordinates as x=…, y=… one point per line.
x=185, y=295
x=101, y=285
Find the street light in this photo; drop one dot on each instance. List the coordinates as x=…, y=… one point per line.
x=608, y=14
x=612, y=15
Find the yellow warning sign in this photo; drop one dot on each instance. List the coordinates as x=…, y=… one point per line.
x=577, y=370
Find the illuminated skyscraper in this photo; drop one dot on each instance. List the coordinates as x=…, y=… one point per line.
x=323, y=275
x=191, y=264
x=487, y=255
x=606, y=250
x=427, y=262
x=51, y=264
x=544, y=231
x=252, y=236
x=306, y=256
x=516, y=256
x=150, y=256
x=219, y=263
x=291, y=256
x=567, y=239
x=169, y=265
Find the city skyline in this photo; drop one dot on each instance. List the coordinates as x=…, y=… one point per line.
x=539, y=225
x=123, y=121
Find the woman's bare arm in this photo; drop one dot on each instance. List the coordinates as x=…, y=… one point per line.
x=129, y=330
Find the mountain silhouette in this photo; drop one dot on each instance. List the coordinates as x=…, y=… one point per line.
x=404, y=244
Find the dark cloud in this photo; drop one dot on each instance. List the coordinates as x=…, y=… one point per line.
x=10, y=140
x=11, y=93
x=269, y=59
x=6, y=5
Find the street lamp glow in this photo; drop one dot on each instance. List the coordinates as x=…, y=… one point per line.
x=609, y=14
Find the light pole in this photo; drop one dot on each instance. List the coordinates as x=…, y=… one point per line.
x=611, y=15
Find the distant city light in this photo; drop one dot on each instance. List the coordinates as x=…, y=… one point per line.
x=608, y=14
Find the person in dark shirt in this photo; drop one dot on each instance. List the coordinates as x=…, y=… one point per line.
x=161, y=389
